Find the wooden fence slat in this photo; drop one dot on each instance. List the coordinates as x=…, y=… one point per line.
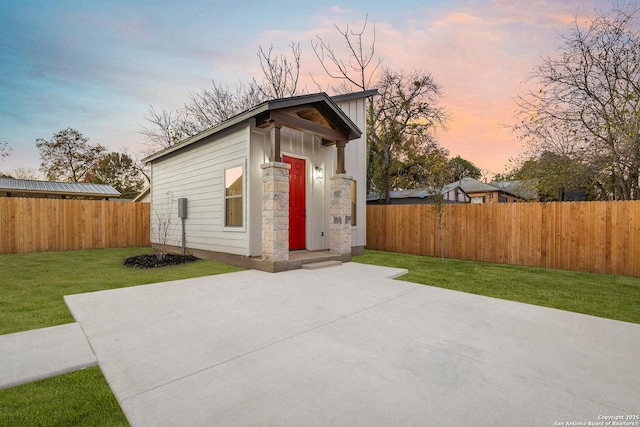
x=602, y=237
x=35, y=225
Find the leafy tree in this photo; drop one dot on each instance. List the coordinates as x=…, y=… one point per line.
x=550, y=172
x=405, y=110
x=68, y=156
x=118, y=170
x=585, y=106
x=462, y=168
x=417, y=162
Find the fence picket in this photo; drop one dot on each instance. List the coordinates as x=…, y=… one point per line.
x=37, y=225
x=602, y=237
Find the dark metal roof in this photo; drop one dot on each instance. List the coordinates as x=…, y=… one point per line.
x=62, y=188
x=322, y=101
x=355, y=95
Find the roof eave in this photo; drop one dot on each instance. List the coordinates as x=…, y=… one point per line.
x=233, y=121
x=355, y=95
x=354, y=131
x=61, y=193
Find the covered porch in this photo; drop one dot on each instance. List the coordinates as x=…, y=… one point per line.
x=317, y=115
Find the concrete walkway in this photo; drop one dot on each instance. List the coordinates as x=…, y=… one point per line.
x=42, y=353
x=349, y=346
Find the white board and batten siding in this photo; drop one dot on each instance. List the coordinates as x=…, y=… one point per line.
x=356, y=166
x=197, y=174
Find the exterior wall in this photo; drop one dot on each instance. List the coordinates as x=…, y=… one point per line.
x=456, y=195
x=494, y=197
x=302, y=145
x=197, y=174
x=356, y=166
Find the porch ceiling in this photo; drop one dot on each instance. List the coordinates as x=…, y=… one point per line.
x=309, y=117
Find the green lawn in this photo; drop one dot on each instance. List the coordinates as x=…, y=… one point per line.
x=81, y=398
x=32, y=287
x=613, y=297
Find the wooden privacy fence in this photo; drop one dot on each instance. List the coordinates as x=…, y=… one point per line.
x=39, y=225
x=602, y=237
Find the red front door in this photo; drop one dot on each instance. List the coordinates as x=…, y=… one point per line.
x=297, y=202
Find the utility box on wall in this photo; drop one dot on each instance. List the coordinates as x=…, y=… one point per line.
x=182, y=208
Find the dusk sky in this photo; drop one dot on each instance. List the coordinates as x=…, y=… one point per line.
x=97, y=66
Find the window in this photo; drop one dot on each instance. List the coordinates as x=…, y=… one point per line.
x=233, y=197
x=353, y=203
x=477, y=200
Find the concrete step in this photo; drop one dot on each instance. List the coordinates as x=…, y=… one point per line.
x=321, y=264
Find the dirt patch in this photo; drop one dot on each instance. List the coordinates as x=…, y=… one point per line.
x=153, y=261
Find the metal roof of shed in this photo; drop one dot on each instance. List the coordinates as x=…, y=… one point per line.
x=58, y=188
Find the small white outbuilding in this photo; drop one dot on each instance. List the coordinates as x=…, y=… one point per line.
x=278, y=185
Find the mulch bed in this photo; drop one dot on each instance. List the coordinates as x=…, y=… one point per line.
x=152, y=261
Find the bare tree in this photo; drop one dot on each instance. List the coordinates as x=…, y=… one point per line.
x=5, y=148
x=585, y=104
x=440, y=174
x=218, y=103
x=211, y=106
x=162, y=224
x=25, y=173
x=356, y=69
x=166, y=128
x=280, y=73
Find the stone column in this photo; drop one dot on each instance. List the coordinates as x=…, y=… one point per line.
x=275, y=211
x=340, y=215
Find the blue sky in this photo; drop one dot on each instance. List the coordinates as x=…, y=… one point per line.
x=97, y=66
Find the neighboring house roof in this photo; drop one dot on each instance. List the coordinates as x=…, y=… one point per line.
x=525, y=189
x=467, y=186
x=319, y=109
x=521, y=189
x=420, y=193
x=471, y=185
x=30, y=187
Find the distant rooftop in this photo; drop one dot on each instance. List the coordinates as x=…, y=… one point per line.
x=419, y=193
x=29, y=187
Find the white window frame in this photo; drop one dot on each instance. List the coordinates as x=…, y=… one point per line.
x=353, y=200
x=234, y=228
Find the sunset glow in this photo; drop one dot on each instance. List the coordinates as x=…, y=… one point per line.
x=97, y=67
